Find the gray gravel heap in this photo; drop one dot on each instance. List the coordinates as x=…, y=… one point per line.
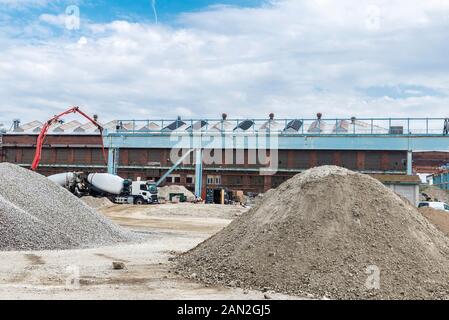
x=37, y=214
x=328, y=232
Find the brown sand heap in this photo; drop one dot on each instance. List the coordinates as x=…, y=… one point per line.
x=324, y=232
x=97, y=203
x=439, y=218
x=164, y=192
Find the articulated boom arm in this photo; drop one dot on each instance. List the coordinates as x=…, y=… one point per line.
x=48, y=124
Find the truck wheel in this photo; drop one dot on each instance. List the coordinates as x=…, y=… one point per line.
x=139, y=201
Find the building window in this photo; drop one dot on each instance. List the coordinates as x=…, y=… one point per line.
x=173, y=178
x=190, y=180
x=214, y=180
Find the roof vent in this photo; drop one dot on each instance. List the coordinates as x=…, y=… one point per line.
x=16, y=124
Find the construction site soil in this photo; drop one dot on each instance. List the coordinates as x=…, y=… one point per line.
x=37, y=214
x=439, y=218
x=328, y=232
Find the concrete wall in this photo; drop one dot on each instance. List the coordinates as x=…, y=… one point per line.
x=408, y=191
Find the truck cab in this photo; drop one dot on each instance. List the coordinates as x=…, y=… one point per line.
x=144, y=192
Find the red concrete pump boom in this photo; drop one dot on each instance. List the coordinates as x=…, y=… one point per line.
x=47, y=125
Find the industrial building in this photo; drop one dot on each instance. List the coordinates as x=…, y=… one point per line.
x=142, y=148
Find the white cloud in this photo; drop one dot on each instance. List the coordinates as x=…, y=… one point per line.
x=294, y=58
x=56, y=20
x=23, y=3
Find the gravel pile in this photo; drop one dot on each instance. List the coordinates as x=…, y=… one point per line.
x=37, y=214
x=326, y=232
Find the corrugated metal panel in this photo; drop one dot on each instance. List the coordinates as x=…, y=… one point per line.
x=81, y=156
x=349, y=159
x=233, y=180
x=97, y=156
x=397, y=160
x=62, y=155
x=256, y=180
x=28, y=155
x=301, y=159
x=276, y=181
x=283, y=158
x=325, y=158
x=137, y=157
x=373, y=160
x=156, y=155
x=46, y=157
x=10, y=155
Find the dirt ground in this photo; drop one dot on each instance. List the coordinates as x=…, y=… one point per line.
x=439, y=218
x=87, y=274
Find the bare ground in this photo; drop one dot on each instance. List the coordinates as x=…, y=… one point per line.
x=170, y=230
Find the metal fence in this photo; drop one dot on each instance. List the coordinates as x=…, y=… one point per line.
x=341, y=126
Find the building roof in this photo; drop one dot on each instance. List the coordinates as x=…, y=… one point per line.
x=67, y=127
x=287, y=125
x=29, y=127
x=199, y=125
x=244, y=125
x=175, y=125
x=272, y=125
x=397, y=178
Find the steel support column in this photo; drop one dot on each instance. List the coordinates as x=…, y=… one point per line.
x=113, y=160
x=198, y=172
x=409, y=162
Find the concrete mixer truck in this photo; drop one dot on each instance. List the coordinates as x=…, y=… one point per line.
x=117, y=189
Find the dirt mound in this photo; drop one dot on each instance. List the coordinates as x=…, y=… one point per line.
x=164, y=192
x=328, y=232
x=97, y=203
x=37, y=214
x=439, y=218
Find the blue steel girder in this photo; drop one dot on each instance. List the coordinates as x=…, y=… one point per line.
x=281, y=142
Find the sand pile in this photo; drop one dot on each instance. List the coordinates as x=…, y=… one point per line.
x=97, y=203
x=164, y=192
x=37, y=214
x=326, y=232
x=439, y=218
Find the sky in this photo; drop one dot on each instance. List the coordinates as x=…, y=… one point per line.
x=147, y=59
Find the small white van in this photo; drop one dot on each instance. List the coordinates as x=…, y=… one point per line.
x=434, y=205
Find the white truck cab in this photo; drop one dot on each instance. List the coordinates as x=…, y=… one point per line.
x=434, y=205
x=140, y=192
